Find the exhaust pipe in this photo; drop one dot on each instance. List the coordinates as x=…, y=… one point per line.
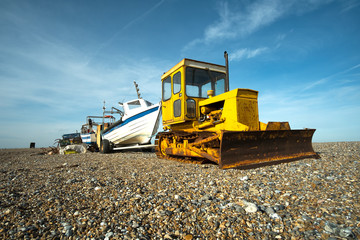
x=227, y=72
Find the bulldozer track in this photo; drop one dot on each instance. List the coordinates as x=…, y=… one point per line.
x=175, y=158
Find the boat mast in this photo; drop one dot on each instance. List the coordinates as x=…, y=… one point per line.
x=103, y=113
x=137, y=89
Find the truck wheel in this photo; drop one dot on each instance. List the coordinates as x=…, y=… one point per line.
x=105, y=146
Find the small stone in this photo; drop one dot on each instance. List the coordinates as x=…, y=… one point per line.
x=253, y=190
x=167, y=236
x=135, y=225
x=108, y=235
x=97, y=188
x=274, y=216
x=331, y=228
x=188, y=237
x=269, y=210
x=69, y=233
x=279, y=207
x=205, y=198
x=70, y=181
x=244, y=178
x=238, y=208
x=345, y=233
x=67, y=229
x=7, y=211
x=250, y=207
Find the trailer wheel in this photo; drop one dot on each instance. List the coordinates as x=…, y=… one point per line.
x=105, y=146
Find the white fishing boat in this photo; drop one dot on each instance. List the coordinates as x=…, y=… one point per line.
x=88, y=138
x=136, y=128
x=88, y=131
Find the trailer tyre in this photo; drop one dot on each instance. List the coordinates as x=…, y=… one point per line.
x=105, y=146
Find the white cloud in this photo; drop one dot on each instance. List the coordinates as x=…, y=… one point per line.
x=240, y=22
x=246, y=53
x=235, y=22
x=352, y=68
x=48, y=83
x=330, y=109
x=349, y=5
x=126, y=26
x=243, y=22
x=55, y=75
x=51, y=83
x=316, y=83
x=306, y=110
x=338, y=75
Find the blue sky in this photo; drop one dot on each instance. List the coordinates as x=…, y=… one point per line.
x=59, y=60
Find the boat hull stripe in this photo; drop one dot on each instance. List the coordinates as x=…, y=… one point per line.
x=109, y=130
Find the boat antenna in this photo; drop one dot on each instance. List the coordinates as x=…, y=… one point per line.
x=103, y=113
x=137, y=89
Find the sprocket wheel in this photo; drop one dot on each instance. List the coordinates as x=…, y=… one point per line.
x=163, y=144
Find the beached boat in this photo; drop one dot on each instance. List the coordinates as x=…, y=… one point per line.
x=88, y=131
x=135, y=129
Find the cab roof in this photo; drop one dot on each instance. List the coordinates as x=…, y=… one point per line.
x=195, y=64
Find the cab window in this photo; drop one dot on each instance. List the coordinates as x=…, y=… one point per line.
x=199, y=81
x=177, y=108
x=166, y=88
x=177, y=82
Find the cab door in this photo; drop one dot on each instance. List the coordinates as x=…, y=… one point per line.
x=173, y=98
x=177, y=97
x=167, y=111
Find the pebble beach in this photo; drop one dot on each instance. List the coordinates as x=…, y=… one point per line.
x=135, y=195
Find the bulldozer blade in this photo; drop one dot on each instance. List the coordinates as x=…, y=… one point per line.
x=258, y=148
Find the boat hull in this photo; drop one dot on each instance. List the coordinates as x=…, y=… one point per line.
x=88, y=138
x=137, y=129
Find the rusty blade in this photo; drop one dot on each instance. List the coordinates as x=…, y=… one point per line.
x=257, y=148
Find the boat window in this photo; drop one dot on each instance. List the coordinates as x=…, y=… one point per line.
x=148, y=104
x=134, y=104
x=199, y=81
x=166, y=88
x=177, y=82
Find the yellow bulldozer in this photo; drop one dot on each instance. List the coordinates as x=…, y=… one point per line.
x=205, y=122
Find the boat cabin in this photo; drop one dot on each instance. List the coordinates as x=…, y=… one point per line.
x=134, y=107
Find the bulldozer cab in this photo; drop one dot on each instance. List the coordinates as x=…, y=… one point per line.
x=185, y=85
